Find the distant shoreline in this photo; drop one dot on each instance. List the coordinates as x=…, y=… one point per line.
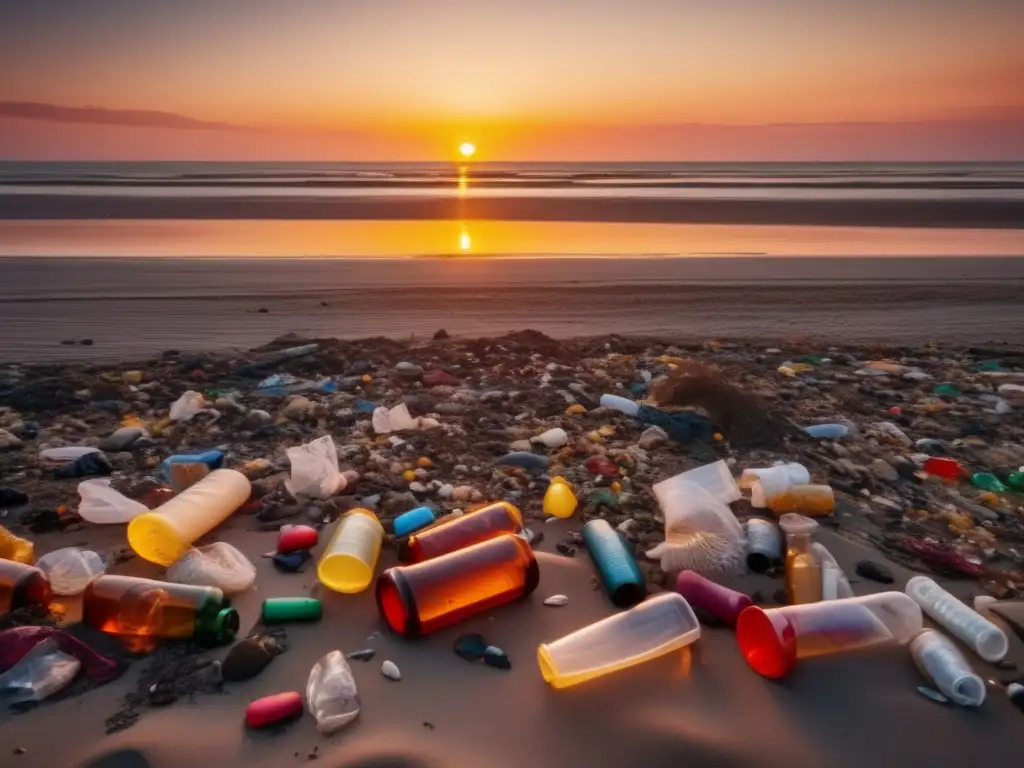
x=939, y=214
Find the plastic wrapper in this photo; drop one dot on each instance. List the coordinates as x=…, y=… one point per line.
x=331, y=693
x=701, y=533
x=396, y=419
x=188, y=406
x=38, y=675
x=216, y=565
x=102, y=505
x=315, y=470
x=71, y=569
x=15, y=643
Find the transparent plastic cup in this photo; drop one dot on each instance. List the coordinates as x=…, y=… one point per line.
x=942, y=663
x=980, y=634
x=165, y=534
x=651, y=629
x=771, y=640
x=715, y=478
x=350, y=558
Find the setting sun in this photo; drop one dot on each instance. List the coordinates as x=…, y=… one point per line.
x=467, y=149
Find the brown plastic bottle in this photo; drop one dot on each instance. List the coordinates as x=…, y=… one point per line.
x=136, y=607
x=488, y=522
x=22, y=586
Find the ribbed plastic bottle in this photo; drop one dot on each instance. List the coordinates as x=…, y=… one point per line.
x=132, y=606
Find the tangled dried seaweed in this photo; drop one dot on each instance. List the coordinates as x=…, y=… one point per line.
x=744, y=418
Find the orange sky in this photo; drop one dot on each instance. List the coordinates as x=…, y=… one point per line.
x=408, y=79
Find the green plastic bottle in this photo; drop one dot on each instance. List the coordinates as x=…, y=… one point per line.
x=1016, y=481
x=988, y=482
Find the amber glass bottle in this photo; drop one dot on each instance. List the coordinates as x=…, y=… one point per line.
x=22, y=586
x=131, y=606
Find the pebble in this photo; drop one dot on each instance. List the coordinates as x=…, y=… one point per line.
x=553, y=438
x=246, y=659
x=366, y=654
x=407, y=370
x=298, y=407
x=531, y=461
x=497, y=658
x=869, y=569
x=557, y=601
x=521, y=445
x=390, y=670
x=883, y=471
x=121, y=439
x=653, y=437
x=8, y=441
x=470, y=647
x=255, y=419
x=462, y=493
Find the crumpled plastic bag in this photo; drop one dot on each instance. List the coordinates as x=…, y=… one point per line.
x=71, y=569
x=397, y=419
x=101, y=504
x=315, y=470
x=701, y=533
x=216, y=565
x=38, y=675
x=189, y=405
x=331, y=693
x=15, y=643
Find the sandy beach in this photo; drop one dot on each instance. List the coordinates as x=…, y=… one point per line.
x=704, y=703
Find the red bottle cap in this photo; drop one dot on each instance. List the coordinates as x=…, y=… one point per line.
x=294, y=538
x=273, y=709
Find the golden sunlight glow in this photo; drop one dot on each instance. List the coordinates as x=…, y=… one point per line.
x=465, y=241
x=467, y=149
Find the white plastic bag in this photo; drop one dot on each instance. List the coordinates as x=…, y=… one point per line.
x=315, y=470
x=187, y=406
x=40, y=673
x=216, y=565
x=331, y=693
x=396, y=419
x=701, y=533
x=71, y=569
x=102, y=504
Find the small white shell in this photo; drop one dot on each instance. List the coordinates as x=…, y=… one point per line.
x=390, y=670
x=557, y=600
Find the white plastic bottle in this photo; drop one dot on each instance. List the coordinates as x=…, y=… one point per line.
x=987, y=640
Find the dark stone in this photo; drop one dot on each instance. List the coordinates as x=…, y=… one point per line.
x=12, y=498
x=293, y=562
x=497, y=658
x=441, y=335
x=263, y=311
x=470, y=647
x=246, y=659
x=566, y=548
x=90, y=465
x=366, y=654
x=525, y=460
x=86, y=342
x=869, y=569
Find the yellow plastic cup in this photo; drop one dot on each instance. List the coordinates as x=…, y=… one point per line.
x=350, y=559
x=559, y=499
x=165, y=534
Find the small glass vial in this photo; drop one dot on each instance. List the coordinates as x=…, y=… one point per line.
x=803, y=570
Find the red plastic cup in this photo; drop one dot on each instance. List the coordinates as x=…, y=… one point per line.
x=271, y=710
x=767, y=641
x=706, y=596
x=947, y=469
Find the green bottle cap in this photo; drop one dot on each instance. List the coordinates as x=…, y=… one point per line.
x=280, y=609
x=217, y=625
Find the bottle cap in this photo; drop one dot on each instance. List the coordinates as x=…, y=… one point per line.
x=281, y=609
x=225, y=625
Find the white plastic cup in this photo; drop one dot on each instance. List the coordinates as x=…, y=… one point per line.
x=715, y=478
x=984, y=637
x=653, y=628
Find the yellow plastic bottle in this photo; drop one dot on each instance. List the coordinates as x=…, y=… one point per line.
x=559, y=499
x=350, y=558
x=165, y=534
x=16, y=548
